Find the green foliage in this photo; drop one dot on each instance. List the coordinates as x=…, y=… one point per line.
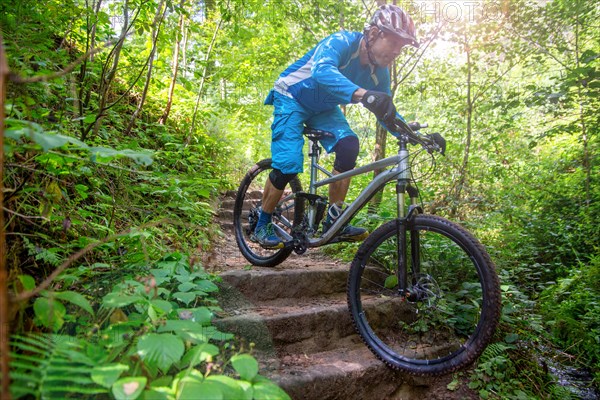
x=529, y=188
x=51, y=367
x=571, y=309
x=154, y=336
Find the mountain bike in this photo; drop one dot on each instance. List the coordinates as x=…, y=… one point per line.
x=422, y=291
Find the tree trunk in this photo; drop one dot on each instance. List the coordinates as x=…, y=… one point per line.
x=462, y=180
x=379, y=154
x=158, y=18
x=585, y=162
x=180, y=35
x=109, y=75
x=204, y=72
x=83, y=97
x=4, y=299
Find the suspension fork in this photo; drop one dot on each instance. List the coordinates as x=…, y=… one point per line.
x=403, y=223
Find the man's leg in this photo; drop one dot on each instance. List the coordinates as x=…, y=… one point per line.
x=345, y=145
x=286, y=152
x=274, y=187
x=270, y=197
x=338, y=190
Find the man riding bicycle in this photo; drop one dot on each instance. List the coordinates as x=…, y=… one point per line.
x=346, y=67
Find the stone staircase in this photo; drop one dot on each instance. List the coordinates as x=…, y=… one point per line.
x=297, y=318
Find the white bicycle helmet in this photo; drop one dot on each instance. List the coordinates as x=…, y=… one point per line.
x=392, y=19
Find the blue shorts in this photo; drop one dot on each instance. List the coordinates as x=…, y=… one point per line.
x=289, y=119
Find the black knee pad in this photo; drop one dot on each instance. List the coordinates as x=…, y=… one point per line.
x=279, y=179
x=346, y=151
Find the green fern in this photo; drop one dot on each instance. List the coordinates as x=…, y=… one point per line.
x=494, y=350
x=47, y=255
x=50, y=367
x=561, y=392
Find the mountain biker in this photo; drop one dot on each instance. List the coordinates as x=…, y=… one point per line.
x=346, y=67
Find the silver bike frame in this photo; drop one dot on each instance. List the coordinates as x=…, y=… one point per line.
x=401, y=172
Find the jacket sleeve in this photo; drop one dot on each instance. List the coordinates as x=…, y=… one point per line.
x=328, y=57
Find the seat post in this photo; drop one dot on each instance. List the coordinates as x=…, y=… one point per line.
x=315, y=151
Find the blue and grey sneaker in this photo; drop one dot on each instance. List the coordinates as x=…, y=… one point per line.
x=266, y=237
x=348, y=233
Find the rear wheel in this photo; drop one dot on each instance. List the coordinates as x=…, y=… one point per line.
x=288, y=213
x=451, y=309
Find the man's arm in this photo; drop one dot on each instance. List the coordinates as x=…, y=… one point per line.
x=358, y=95
x=328, y=56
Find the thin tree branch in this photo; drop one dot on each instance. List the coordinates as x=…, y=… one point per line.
x=205, y=71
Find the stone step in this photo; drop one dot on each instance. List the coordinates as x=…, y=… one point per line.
x=230, y=194
x=264, y=284
x=307, y=325
x=225, y=214
x=346, y=373
x=301, y=326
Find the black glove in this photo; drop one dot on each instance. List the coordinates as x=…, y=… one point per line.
x=440, y=141
x=380, y=104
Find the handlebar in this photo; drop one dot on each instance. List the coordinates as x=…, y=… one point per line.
x=431, y=142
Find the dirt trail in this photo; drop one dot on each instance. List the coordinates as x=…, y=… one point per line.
x=297, y=319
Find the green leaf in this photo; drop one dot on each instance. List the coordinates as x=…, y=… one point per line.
x=158, y=393
x=89, y=118
x=245, y=365
x=27, y=281
x=162, y=305
x=160, y=350
x=391, y=282
x=49, y=141
x=116, y=300
x=511, y=337
x=129, y=388
x=267, y=390
x=193, y=389
x=206, y=286
x=230, y=387
x=202, y=315
x=186, y=286
x=452, y=386
x=185, y=325
x=82, y=190
x=185, y=298
x=107, y=375
x=75, y=298
x=199, y=354
x=50, y=313
x=140, y=157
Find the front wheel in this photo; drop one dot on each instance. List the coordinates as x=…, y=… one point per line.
x=448, y=312
x=288, y=213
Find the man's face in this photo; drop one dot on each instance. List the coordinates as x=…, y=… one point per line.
x=386, y=48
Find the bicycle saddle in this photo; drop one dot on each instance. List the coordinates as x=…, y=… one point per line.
x=317, y=134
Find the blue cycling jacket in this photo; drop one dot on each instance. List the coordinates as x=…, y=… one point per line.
x=330, y=73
